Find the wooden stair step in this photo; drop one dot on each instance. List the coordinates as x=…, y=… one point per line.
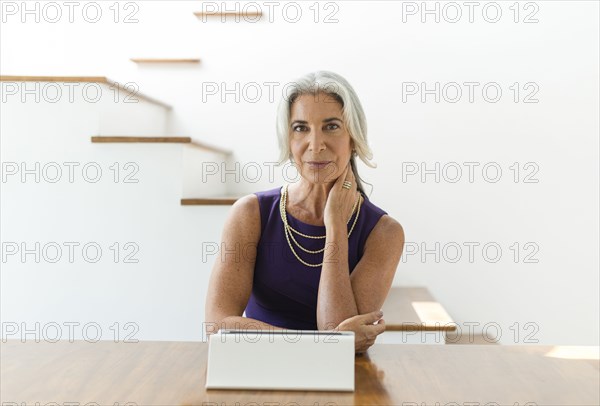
x=179, y=140
x=229, y=13
x=210, y=201
x=128, y=139
x=165, y=60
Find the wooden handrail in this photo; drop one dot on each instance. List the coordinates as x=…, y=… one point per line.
x=86, y=79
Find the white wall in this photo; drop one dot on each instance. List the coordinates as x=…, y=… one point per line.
x=377, y=52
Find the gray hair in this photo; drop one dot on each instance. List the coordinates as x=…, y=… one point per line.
x=352, y=112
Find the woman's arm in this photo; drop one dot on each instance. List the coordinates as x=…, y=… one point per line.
x=372, y=277
x=238, y=323
x=230, y=284
x=366, y=288
x=341, y=295
x=335, y=299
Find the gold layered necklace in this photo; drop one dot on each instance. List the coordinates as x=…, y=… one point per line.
x=289, y=230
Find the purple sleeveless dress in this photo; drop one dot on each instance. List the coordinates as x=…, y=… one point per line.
x=284, y=291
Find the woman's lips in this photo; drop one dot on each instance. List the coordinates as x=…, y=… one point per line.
x=318, y=164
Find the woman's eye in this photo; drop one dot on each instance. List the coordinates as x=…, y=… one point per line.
x=299, y=127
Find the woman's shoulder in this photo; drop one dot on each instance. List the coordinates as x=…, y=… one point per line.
x=267, y=199
x=243, y=219
x=256, y=206
x=269, y=193
x=252, y=200
x=245, y=207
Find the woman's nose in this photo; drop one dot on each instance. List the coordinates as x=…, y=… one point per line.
x=316, y=141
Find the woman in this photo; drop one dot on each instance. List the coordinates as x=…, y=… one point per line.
x=318, y=255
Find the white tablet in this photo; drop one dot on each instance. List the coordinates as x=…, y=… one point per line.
x=281, y=360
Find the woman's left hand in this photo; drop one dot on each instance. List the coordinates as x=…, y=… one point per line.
x=340, y=201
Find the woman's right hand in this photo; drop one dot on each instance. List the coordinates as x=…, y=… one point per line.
x=365, y=332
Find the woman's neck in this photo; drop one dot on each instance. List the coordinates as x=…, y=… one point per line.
x=309, y=199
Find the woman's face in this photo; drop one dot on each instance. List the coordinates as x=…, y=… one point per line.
x=319, y=140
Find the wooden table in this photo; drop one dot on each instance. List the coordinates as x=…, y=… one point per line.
x=173, y=373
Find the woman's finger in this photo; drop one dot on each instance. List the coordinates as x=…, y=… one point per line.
x=372, y=317
x=379, y=328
